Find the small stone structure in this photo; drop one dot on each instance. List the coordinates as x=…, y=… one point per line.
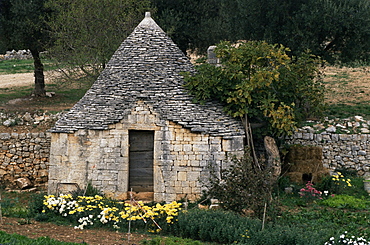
x=304, y=163
x=138, y=129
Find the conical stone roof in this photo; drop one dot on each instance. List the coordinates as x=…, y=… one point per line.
x=146, y=68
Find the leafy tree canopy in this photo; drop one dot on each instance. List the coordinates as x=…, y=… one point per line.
x=261, y=81
x=22, y=26
x=87, y=32
x=337, y=30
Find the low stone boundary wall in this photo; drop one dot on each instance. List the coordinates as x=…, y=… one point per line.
x=340, y=151
x=24, y=155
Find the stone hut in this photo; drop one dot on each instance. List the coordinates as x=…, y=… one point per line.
x=137, y=129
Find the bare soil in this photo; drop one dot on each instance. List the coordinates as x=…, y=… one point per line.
x=63, y=233
x=347, y=85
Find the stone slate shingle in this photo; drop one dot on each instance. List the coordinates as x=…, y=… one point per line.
x=146, y=67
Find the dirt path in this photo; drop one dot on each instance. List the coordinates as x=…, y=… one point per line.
x=21, y=79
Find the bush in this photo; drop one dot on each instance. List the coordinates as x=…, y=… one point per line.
x=241, y=187
x=345, y=201
x=228, y=227
x=342, y=182
x=171, y=241
x=215, y=225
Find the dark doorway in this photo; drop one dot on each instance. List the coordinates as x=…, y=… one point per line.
x=141, y=160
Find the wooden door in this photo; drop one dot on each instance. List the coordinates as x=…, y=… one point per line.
x=141, y=160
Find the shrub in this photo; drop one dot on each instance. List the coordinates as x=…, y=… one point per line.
x=309, y=193
x=227, y=228
x=215, y=226
x=241, y=187
x=342, y=182
x=345, y=201
x=171, y=241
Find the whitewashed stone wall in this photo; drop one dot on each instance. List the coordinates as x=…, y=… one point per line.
x=349, y=151
x=102, y=156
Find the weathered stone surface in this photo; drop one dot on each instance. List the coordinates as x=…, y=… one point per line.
x=146, y=67
x=340, y=150
x=23, y=183
x=20, y=157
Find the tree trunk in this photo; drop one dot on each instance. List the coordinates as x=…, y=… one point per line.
x=273, y=158
x=39, y=89
x=250, y=144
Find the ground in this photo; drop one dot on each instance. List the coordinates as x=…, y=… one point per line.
x=353, y=86
x=36, y=229
x=347, y=85
x=67, y=233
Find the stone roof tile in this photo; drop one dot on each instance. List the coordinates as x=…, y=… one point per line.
x=146, y=67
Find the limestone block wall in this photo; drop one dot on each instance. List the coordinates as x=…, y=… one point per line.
x=349, y=151
x=24, y=155
x=180, y=159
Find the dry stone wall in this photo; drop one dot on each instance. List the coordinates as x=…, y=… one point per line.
x=24, y=155
x=348, y=151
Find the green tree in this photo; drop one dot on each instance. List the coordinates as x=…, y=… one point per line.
x=87, y=32
x=337, y=30
x=259, y=82
x=22, y=26
x=190, y=23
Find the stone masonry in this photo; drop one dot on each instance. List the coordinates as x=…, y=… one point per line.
x=180, y=156
x=349, y=151
x=24, y=155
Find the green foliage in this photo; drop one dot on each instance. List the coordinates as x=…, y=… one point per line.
x=241, y=187
x=21, y=66
x=22, y=240
x=22, y=26
x=13, y=206
x=342, y=182
x=260, y=80
x=87, y=32
x=336, y=30
x=345, y=201
x=90, y=190
x=171, y=241
x=227, y=228
x=215, y=226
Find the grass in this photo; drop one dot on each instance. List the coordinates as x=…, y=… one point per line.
x=347, y=92
x=66, y=94
x=345, y=111
x=291, y=220
x=22, y=66
x=6, y=238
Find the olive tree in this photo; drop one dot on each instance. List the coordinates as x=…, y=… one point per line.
x=87, y=32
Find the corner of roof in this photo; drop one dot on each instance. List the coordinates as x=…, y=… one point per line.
x=148, y=22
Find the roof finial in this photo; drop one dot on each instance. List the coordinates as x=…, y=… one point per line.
x=147, y=14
